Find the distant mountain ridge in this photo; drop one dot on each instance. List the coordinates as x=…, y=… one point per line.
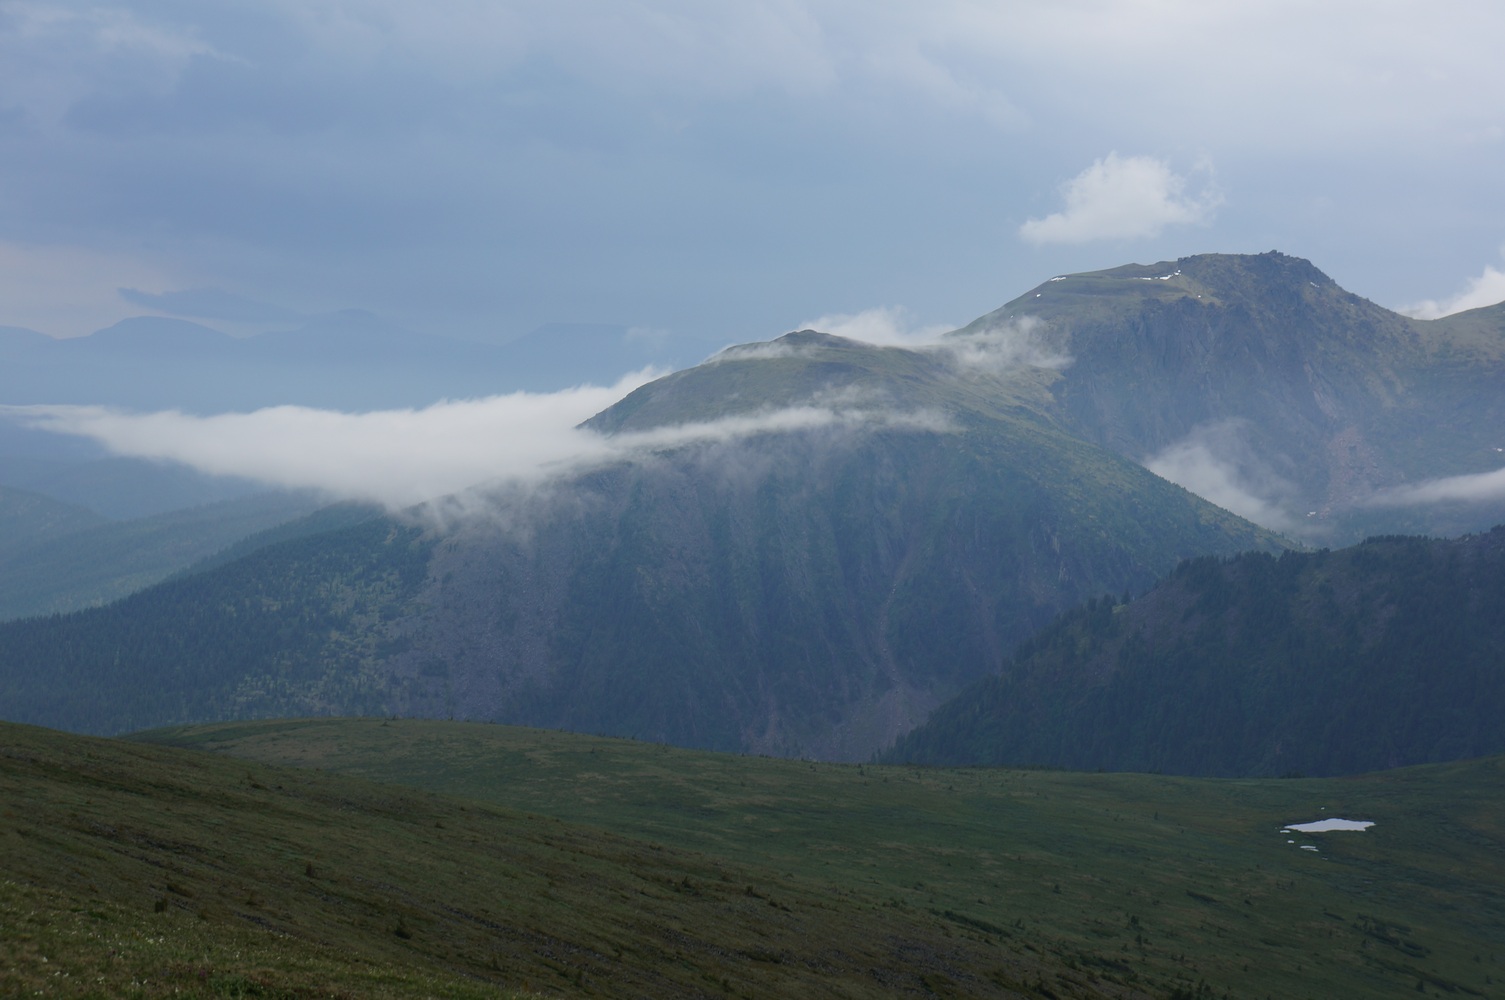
x=96, y=561
x=1260, y=373
x=1382, y=655
x=806, y=544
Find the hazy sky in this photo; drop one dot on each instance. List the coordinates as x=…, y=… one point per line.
x=724, y=172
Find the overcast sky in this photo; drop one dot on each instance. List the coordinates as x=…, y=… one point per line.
x=725, y=172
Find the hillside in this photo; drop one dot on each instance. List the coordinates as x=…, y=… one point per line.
x=28, y=518
x=1386, y=654
x=812, y=588
x=1169, y=886
x=136, y=870
x=101, y=561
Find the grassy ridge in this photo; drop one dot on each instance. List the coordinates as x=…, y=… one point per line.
x=1132, y=882
x=143, y=871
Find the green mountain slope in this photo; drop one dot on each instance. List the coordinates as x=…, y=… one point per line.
x=142, y=871
x=1382, y=655
x=1168, y=886
x=812, y=590
x=100, y=562
x=28, y=518
x=295, y=625
x=1263, y=376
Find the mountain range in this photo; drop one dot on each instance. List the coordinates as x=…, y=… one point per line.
x=1259, y=382
x=802, y=547
x=810, y=588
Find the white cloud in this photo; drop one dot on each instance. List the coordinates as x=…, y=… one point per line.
x=1216, y=463
x=1482, y=487
x=400, y=458
x=1120, y=198
x=395, y=457
x=1012, y=344
x=1485, y=290
x=886, y=326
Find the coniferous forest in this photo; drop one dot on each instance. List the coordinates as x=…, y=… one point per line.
x=1385, y=654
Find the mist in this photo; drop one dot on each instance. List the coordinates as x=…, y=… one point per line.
x=1016, y=343
x=405, y=457
x=1216, y=463
x=1479, y=487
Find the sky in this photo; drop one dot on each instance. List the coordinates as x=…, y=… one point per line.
x=721, y=173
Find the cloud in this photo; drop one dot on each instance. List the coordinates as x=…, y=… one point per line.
x=1120, y=198
x=886, y=326
x=67, y=53
x=1012, y=344
x=1481, y=487
x=1016, y=343
x=394, y=457
x=400, y=458
x=483, y=167
x=1216, y=463
x=1485, y=290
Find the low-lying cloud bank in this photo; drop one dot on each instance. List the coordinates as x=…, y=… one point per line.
x=1217, y=463
x=400, y=458
x=1479, y=487
x=1018, y=343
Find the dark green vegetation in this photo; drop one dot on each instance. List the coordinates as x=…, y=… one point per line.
x=803, y=592
x=87, y=560
x=1381, y=655
x=791, y=878
x=28, y=518
x=284, y=627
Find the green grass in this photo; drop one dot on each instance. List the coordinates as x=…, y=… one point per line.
x=1128, y=881
x=139, y=870
x=422, y=859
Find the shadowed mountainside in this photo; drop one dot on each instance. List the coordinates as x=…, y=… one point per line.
x=796, y=589
x=1385, y=654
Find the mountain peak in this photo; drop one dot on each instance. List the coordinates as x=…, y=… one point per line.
x=1264, y=269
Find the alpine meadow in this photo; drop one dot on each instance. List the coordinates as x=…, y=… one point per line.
x=799, y=549
x=504, y=501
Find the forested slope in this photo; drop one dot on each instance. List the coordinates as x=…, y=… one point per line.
x=1385, y=654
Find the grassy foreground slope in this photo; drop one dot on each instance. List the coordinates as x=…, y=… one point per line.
x=1170, y=886
x=133, y=870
